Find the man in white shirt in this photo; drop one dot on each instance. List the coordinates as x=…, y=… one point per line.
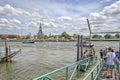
x=110, y=62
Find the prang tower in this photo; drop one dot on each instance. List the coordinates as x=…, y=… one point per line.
x=40, y=33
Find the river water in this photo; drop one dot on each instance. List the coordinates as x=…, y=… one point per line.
x=41, y=57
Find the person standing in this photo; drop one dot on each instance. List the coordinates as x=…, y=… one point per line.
x=101, y=53
x=110, y=57
x=85, y=54
x=92, y=54
x=105, y=52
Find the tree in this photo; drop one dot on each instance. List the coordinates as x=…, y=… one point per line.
x=28, y=37
x=45, y=37
x=117, y=35
x=107, y=36
x=97, y=36
x=18, y=37
x=12, y=36
x=65, y=35
x=2, y=37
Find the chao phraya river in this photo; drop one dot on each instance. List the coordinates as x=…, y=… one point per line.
x=41, y=57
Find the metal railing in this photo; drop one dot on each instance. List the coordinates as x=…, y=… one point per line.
x=118, y=65
x=95, y=72
x=69, y=70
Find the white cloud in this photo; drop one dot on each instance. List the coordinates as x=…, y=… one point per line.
x=65, y=18
x=98, y=18
x=109, y=12
x=36, y=15
x=107, y=16
x=15, y=21
x=9, y=23
x=49, y=24
x=106, y=0
x=8, y=10
x=31, y=24
x=112, y=10
x=3, y=20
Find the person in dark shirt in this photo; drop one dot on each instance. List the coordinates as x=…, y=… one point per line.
x=101, y=53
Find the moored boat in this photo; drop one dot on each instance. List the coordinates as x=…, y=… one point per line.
x=28, y=41
x=86, y=44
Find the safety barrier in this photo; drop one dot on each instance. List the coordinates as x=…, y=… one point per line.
x=94, y=73
x=118, y=65
x=69, y=70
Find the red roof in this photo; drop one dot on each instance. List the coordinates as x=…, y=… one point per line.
x=5, y=35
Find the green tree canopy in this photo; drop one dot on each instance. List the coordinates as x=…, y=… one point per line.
x=117, y=35
x=2, y=37
x=65, y=35
x=96, y=36
x=45, y=37
x=108, y=36
x=12, y=36
x=28, y=37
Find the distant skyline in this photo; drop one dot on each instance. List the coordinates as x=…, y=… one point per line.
x=57, y=16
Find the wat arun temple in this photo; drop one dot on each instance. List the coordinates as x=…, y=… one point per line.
x=40, y=33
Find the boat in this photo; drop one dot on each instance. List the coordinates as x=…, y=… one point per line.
x=86, y=44
x=28, y=41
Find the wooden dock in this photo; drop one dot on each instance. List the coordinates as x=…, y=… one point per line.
x=5, y=58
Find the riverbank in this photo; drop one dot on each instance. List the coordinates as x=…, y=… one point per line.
x=59, y=40
x=105, y=39
x=39, y=40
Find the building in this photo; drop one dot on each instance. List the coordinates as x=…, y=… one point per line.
x=4, y=35
x=40, y=33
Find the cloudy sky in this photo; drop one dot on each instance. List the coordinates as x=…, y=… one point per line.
x=57, y=16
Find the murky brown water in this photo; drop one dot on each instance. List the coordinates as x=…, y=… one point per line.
x=40, y=58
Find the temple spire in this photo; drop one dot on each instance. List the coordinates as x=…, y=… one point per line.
x=40, y=33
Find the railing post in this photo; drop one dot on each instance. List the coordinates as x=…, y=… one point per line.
x=67, y=73
x=78, y=46
x=92, y=76
x=97, y=69
x=119, y=68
